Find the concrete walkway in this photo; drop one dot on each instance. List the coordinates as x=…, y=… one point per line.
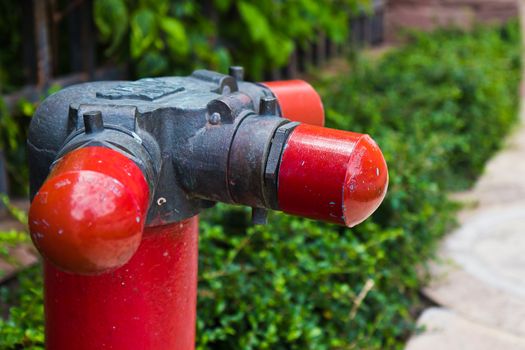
x=479, y=280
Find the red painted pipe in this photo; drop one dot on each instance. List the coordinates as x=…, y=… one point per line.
x=88, y=219
x=89, y=215
x=331, y=175
x=149, y=303
x=298, y=100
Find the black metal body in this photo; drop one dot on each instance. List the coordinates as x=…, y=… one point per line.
x=198, y=139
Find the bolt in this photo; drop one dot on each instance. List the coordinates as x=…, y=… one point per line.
x=259, y=216
x=93, y=122
x=268, y=106
x=237, y=72
x=214, y=118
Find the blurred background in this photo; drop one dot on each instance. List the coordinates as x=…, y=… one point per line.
x=435, y=82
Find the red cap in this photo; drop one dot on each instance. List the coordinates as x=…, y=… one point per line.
x=89, y=215
x=331, y=175
x=298, y=100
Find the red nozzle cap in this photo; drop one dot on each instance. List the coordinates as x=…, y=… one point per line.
x=88, y=216
x=331, y=175
x=298, y=100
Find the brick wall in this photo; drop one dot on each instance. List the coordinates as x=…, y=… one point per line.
x=429, y=14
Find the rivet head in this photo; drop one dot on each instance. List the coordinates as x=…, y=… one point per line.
x=214, y=118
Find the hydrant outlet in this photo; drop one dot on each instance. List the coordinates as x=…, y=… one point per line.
x=89, y=215
x=331, y=175
x=298, y=100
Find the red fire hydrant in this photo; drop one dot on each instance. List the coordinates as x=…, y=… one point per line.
x=120, y=171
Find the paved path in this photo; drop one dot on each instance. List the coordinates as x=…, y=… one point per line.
x=479, y=281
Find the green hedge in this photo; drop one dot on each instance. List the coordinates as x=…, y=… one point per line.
x=439, y=108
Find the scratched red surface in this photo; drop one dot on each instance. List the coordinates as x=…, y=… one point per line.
x=149, y=303
x=89, y=215
x=331, y=175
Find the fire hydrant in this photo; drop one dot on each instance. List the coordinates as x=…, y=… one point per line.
x=120, y=171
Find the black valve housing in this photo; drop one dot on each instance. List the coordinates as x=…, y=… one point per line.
x=198, y=139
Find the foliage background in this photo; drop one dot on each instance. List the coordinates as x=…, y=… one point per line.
x=173, y=37
x=438, y=107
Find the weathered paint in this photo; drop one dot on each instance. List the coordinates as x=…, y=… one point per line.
x=298, y=100
x=331, y=175
x=89, y=215
x=149, y=303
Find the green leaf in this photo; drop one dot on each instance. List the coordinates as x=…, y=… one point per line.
x=222, y=5
x=111, y=19
x=143, y=32
x=255, y=21
x=175, y=35
x=152, y=64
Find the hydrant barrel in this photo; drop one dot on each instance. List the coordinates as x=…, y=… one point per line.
x=89, y=215
x=331, y=175
x=149, y=303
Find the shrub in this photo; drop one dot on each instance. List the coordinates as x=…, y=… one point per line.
x=438, y=107
x=24, y=328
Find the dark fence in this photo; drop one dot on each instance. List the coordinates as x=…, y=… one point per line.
x=47, y=58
